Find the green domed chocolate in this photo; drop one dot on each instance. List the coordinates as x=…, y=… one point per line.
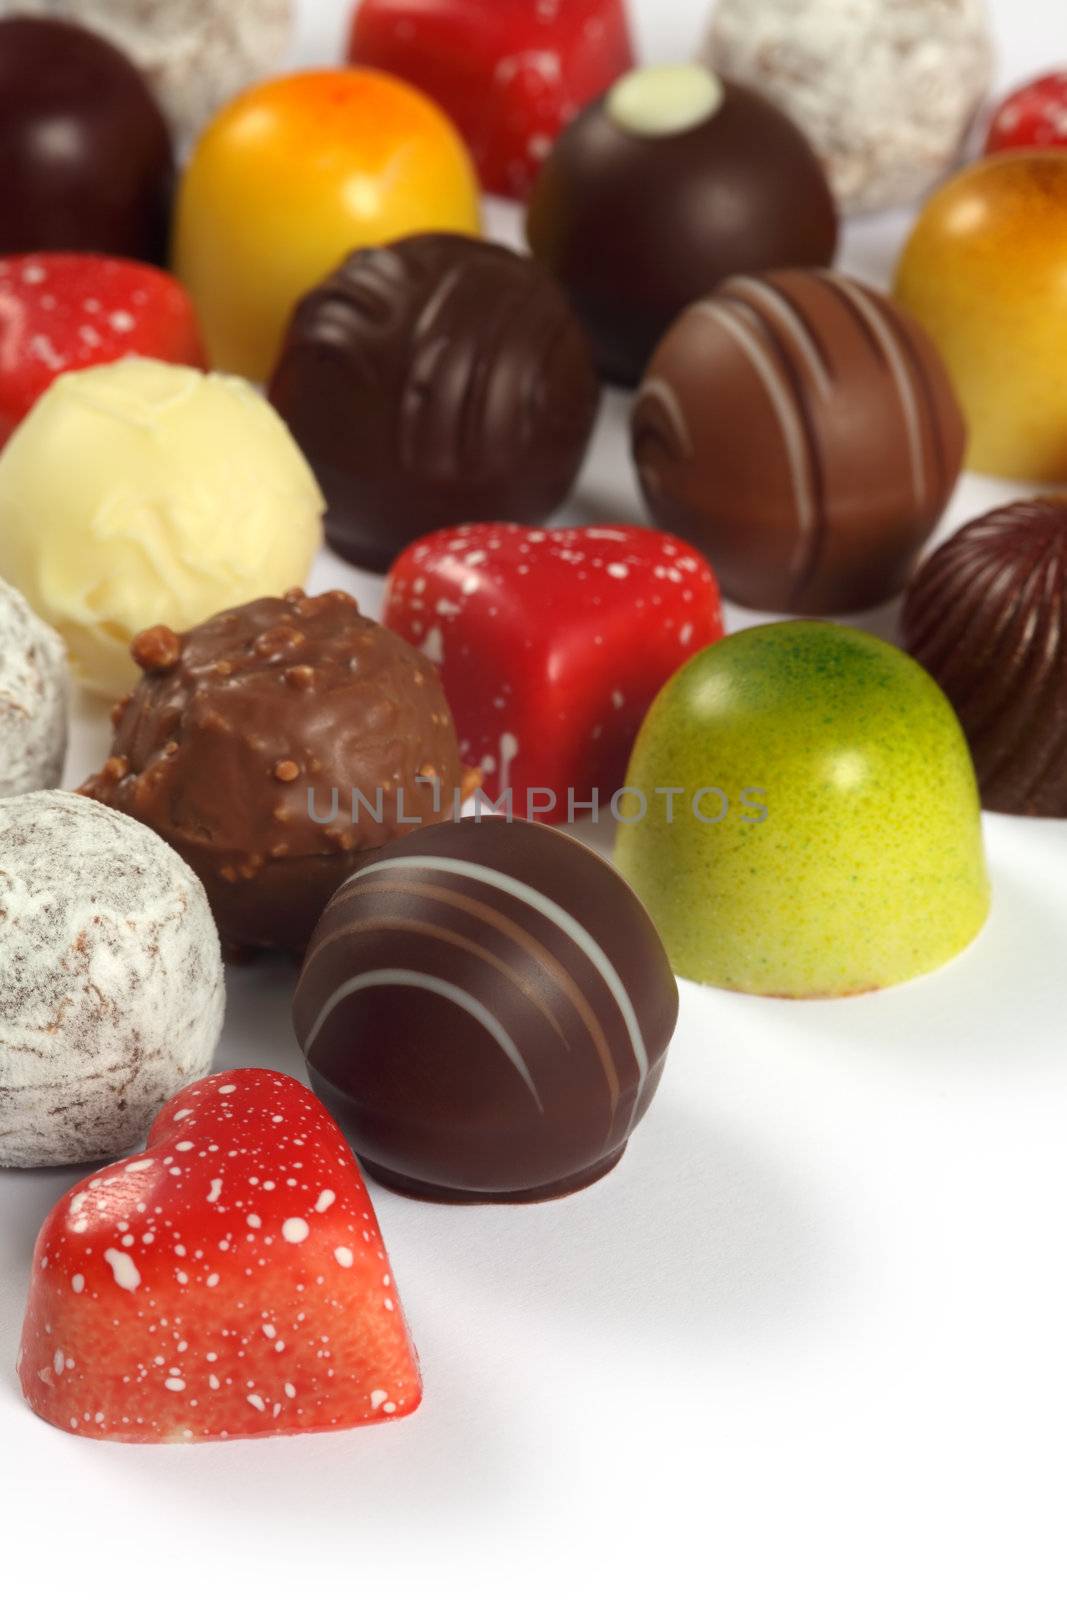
x=823, y=836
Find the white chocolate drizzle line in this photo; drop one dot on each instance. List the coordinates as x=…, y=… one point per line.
x=778, y=308
x=549, y=910
x=870, y=314
x=785, y=408
x=402, y=977
x=659, y=389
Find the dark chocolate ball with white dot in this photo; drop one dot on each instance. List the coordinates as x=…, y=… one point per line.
x=673, y=181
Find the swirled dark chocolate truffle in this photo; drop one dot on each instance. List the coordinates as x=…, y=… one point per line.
x=673, y=181
x=275, y=744
x=87, y=161
x=438, y=381
x=986, y=615
x=800, y=429
x=486, y=1007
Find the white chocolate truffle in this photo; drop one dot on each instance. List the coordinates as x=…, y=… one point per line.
x=886, y=93
x=196, y=54
x=142, y=493
x=34, y=698
x=113, y=990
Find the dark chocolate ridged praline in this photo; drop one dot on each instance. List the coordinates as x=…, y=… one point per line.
x=87, y=159
x=437, y=381
x=486, y=1008
x=800, y=429
x=635, y=227
x=986, y=615
x=275, y=744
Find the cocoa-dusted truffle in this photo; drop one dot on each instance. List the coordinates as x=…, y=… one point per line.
x=113, y=990
x=34, y=698
x=272, y=746
x=985, y=614
x=438, y=381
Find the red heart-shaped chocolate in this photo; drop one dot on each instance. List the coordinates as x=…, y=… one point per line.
x=231, y=1282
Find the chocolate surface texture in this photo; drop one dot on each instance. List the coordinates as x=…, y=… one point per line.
x=799, y=428
x=486, y=1007
x=636, y=226
x=986, y=615
x=87, y=156
x=441, y=380
x=247, y=738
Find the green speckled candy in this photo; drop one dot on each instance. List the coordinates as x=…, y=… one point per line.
x=868, y=867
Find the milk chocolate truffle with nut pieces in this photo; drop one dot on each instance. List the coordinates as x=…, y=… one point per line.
x=438, y=381
x=113, y=991
x=273, y=746
x=800, y=430
x=486, y=1008
x=673, y=181
x=34, y=698
x=986, y=615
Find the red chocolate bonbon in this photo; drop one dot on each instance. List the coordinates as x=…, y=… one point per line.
x=1033, y=117
x=61, y=311
x=511, y=74
x=229, y=1283
x=552, y=644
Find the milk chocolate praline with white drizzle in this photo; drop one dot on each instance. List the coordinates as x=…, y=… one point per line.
x=486, y=1008
x=801, y=430
x=247, y=739
x=986, y=615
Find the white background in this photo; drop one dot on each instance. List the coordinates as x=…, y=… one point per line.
x=810, y=1338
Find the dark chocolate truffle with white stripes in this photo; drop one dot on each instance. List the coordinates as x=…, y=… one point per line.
x=799, y=428
x=486, y=1008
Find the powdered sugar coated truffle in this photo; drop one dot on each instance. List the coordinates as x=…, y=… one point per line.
x=885, y=92
x=196, y=54
x=113, y=991
x=34, y=697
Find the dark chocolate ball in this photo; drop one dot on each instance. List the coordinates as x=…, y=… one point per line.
x=986, y=615
x=486, y=1007
x=670, y=183
x=438, y=381
x=275, y=744
x=800, y=429
x=87, y=161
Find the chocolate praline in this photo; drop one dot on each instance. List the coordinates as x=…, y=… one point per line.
x=673, y=181
x=272, y=746
x=87, y=156
x=986, y=615
x=486, y=1007
x=438, y=381
x=800, y=429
